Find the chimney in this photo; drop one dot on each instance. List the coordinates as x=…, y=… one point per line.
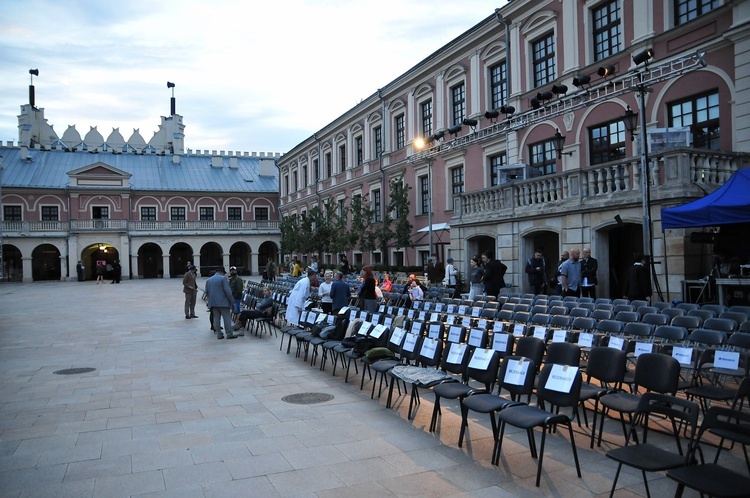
x=176, y=159
x=24, y=153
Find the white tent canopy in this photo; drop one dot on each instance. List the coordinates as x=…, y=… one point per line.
x=436, y=227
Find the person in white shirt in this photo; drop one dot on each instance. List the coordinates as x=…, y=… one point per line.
x=324, y=291
x=451, y=273
x=297, y=298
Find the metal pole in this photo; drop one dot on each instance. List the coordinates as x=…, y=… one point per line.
x=429, y=201
x=645, y=176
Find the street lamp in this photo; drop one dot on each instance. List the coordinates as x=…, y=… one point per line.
x=419, y=144
x=558, y=142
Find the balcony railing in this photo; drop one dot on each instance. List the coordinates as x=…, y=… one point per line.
x=34, y=226
x=25, y=227
x=673, y=174
x=98, y=224
x=137, y=226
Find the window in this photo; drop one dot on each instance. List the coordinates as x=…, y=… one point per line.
x=295, y=183
x=286, y=184
x=687, y=10
x=457, y=184
x=148, y=214
x=400, y=127
x=378, y=137
x=543, y=51
x=100, y=212
x=398, y=258
x=607, y=142
x=360, y=152
x=495, y=163
x=498, y=85
x=376, y=206
x=177, y=214
x=458, y=102
x=234, y=214
x=543, y=157
x=342, y=209
x=701, y=114
x=376, y=258
x=261, y=214
x=329, y=168
x=12, y=213
x=303, y=179
x=424, y=194
x=342, y=158
x=607, y=30
x=426, y=113
x=316, y=170
x=50, y=213
x=206, y=213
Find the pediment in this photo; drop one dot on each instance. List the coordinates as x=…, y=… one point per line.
x=99, y=174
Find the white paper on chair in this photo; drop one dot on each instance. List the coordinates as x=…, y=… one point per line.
x=410, y=313
x=559, y=335
x=438, y=307
x=540, y=332
x=561, y=378
x=454, y=335
x=387, y=321
x=482, y=323
x=429, y=346
x=518, y=330
x=466, y=321
x=343, y=311
x=481, y=358
x=683, y=355
x=728, y=360
x=410, y=342
x=515, y=373
x=352, y=314
x=397, y=336
x=434, y=317
x=321, y=317
x=456, y=353
x=500, y=342
x=434, y=331
x=585, y=339
x=498, y=326
x=643, y=348
x=475, y=337
x=462, y=310
x=377, y=331
x=475, y=312
x=450, y=309
x=616, y=342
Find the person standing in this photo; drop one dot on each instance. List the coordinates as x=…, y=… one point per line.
x=324, y=291
x=297, y=298
x=556, y=280
x=435, y=272
x=639, y=282
x=451, y=273
x=220, y=301
x=345, y=268
x=368, y=300
x=589, y=267
x=536, y=268
x=116, y=272
x=570, y=274
x=100, y=268
x=80, y=270
x=270, y=270
x=190, y=289
x=237, y=285
x=494, y=274
x=340, y=293
x=477, y=272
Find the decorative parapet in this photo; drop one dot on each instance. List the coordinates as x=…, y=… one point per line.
x=233, y=153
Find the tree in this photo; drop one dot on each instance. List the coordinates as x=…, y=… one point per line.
x=399, y=204
x=289, y=234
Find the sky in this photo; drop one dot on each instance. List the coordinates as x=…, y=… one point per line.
x=250, y=75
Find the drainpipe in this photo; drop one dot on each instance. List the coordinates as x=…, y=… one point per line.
x=505, y=23
x=383, y=136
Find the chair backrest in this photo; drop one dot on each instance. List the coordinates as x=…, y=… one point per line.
x=476, y=338
x=583, y=309
x=554, y=397
x=500, y=338
x=623, y=307
x=504, y=315
x=733, y=424
x=521, y=317
x=724, y=324
x=688, y=306
x=702, y=313
x=610, y=326
x=658, y=373
x=584, y=323
x=430, y=352
x=558, y=310
x=644, y=310
x=538, y=308
x=655, y=319
x=716, y=308
x=737, y=316
x=661, y=305
x=637, y=303
x=670, y=333
x=707, y=338
x=744, y=327
x=672, y=407
x=739, y=341
x=740, y=308
x=540, y=319
x=488, y=375
x=627, y=316
x=638, y=329
x=532, y=348
x=673, y=312
x=456, y=333
x=410, y=347
x=607, y=365
x=563, y=353
x=604, y=306
x=603, y=300
x=601, y=314
x=689, y=322
x=455, y=358
x=515, y=377
x=560, y=321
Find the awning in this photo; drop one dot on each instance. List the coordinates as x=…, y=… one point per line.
x=436, y=227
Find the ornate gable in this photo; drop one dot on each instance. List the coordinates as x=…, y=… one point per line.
x=99, y=174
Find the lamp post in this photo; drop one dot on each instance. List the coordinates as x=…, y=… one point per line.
x=419, y=144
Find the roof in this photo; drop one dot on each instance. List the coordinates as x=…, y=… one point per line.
x=149, y=172
x=729, y=204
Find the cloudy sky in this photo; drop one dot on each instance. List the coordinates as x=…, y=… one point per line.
x=250, y=75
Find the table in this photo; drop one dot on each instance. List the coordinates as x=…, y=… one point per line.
x=723, y=283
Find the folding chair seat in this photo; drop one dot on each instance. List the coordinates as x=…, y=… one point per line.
x=710, y=478
x=724, y=324
x=580, y=311
x=607, y=367
x=518, y=381
x=654, y=372
x=655, y=319
x=429, y=357
x=647, y=457
x=673, y=312
x=528, y=417
x=702, y=313
x=486, y=376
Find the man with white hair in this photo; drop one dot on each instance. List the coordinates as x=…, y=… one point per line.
x=297, y=298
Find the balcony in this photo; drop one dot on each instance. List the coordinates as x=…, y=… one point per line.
x=675, y=173
x=143, y=227
x=98, y=225
x=62, y=228
x=11, y=228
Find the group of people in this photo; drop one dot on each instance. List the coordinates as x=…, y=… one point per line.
x=487, y=275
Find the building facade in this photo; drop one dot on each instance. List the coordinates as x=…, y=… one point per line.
x=154, y=207
x=495, y=105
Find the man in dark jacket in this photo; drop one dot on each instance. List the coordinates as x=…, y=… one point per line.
x=340, y=293
x=263, y=308
x=536, y=268
x=220, y=301
x=435, y=272
x=639, y=281
x=589, y=267
x=494, y=274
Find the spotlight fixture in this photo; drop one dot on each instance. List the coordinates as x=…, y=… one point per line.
x=543, y=96
x=535, y=104
x=558, y=141
x=170, y=84
x=630, y=120
x=35, y=72
x=644, y=56
x=618, y=220
x=606, y=71
x=492, y=115
x=470, y=122
x=581, y=80
x=507, y=109
x=438, y=136
x=453, y=130
x=559, y=89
